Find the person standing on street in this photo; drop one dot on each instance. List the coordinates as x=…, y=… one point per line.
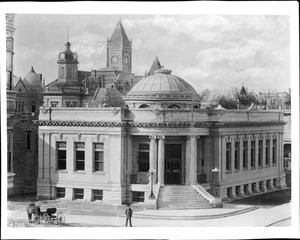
x=128, y=214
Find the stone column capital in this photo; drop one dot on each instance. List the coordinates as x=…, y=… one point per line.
x=161, y=137
x=153, y=137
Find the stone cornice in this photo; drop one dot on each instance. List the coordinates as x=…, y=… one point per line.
x=158, y=125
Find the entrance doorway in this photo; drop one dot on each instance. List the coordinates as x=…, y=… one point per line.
x=173, y=164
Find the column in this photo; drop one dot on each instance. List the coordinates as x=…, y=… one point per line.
x=264, y=151
x=250, y=189
x=256, y=151
x=187, y=160
x=232, y=154
x=222, y=161
x=193, y=162
x=152, y=156
x=257, y=190
x=241, y=139
x=161, y=160
x=271, y=150
x=234, y=192
x=248, y=152
x=242, y=191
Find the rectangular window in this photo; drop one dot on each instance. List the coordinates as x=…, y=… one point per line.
x=260, y=154
x=98, y=157
x=138, y=196
x=28, y=140
x=143, y=157
x=9, y=162
x=97, y=195
x=60, y=192
x=74, y=104
x=79, y=156
x=236, y=155
x=267, y=152
x=228, y=156
x=252, y=153
x=61, y=156
x=54, y=104
x=69, y=72
x=245, y=155
x=68, y=103
x=62, y=72
x=274, y=156
x=78, y=193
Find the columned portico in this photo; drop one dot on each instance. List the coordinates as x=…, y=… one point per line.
x=161, y=160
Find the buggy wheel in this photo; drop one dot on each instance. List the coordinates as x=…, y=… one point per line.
x=60, y=218
x=36, y=218
x=45, y=218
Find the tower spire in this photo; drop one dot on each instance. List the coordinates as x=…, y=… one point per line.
x=67, y=34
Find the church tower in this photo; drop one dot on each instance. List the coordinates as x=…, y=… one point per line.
x=67, y=66
x=119, y=50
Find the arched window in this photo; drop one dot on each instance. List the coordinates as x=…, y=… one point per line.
x=22, y=107
x=144, y=106
x=174, y=106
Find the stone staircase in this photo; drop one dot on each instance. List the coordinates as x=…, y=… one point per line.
x=181, y=197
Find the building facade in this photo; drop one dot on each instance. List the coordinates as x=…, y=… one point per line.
x=10, y=97
x=160, y=138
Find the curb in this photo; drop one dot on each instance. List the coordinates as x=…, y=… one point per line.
x=281, y=220
x=237, y=212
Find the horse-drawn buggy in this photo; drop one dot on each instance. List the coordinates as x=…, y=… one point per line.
x=49, y=216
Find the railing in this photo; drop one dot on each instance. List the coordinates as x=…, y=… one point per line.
x=201, y=178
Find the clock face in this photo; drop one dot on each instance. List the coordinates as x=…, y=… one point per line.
x=61, y=56
x=114, y=59
x=75, y=56
x=126, y=60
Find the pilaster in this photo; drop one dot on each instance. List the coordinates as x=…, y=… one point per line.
x=264, y=151
x=241, y=159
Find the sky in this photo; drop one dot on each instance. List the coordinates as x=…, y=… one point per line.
x=208, y=51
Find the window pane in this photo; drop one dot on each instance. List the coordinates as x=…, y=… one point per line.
x=60, y=192
x=80, y=155
x=79, y=165
x=61, y=154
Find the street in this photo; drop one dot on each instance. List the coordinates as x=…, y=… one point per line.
x=274, y=209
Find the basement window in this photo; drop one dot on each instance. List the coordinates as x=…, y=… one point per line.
x=138, y=196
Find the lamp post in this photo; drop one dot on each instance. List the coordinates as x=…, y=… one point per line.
x=215, y=180
x=151, y=196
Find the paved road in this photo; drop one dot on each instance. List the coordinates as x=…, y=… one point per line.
x=258, y=218
x=273, y=207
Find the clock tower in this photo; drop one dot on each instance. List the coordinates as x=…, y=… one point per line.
x=119, y=50
x=67, y=66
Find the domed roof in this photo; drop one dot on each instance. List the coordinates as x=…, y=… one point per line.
x=32, y=78
x=67, y=55
x=162, y=84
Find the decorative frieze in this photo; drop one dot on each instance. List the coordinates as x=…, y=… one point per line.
x=154, y=124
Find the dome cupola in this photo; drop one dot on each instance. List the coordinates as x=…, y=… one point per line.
x=163, y=89
x=32, y=78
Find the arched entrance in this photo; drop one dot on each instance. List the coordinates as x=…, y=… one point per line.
x=173, y=164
